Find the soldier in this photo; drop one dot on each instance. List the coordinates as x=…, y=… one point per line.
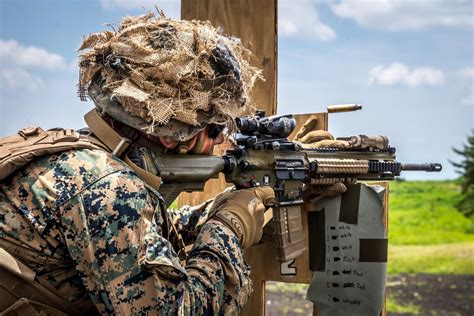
x=85, y=230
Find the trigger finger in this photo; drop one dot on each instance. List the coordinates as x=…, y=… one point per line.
x=265, y=194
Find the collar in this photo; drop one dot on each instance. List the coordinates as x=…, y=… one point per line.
x=118, y=146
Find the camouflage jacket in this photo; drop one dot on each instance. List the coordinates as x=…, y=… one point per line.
x=86, y=223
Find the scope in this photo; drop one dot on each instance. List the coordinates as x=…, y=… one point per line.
x=277, y=126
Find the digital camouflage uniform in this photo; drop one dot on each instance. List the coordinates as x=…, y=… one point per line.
x=85, y=222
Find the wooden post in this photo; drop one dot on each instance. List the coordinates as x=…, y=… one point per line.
x=255, y=23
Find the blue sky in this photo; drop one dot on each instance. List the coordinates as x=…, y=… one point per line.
x=409, y=62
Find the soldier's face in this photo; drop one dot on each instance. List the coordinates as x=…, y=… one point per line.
x=201, y=144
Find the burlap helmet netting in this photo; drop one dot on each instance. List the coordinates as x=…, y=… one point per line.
x=161, y=75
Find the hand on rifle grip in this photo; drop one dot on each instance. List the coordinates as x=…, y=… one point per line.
x=243, y=212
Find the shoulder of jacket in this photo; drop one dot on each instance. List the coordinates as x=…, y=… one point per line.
x=63, y=175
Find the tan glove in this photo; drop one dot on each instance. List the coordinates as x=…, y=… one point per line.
x=309, y=138
x=243, y=212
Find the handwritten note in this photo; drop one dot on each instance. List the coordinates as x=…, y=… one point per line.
x=349, y=286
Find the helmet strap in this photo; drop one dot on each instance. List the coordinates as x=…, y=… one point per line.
x=118, y=146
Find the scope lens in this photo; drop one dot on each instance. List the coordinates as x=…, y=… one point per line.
x=247, y=125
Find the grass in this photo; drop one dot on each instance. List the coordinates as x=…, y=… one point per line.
x=422, y=213
x=438, y=259
x=427, y=234
x=394, y=306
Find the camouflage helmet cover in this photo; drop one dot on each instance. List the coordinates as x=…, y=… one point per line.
x=167, y=77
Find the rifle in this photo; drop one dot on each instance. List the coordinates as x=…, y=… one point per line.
x=263, y=155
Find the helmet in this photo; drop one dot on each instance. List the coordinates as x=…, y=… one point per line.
x=169, y=78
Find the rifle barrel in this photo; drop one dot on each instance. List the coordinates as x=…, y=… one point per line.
x=428, y=167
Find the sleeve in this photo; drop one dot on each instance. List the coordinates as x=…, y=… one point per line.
x=114, y=234
x=188, y=221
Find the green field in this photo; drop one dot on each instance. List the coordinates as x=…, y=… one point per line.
x=455, y=258
x=423, y=213
x=426, y=232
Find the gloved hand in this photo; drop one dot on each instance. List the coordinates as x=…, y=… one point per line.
x=309, y=138
x=243, y=212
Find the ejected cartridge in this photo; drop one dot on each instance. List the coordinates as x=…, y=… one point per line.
x=343, y=108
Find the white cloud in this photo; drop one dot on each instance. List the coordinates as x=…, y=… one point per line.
x=396, y=15
x=13, y=53
x=400, y=74
x=301, y=19
x=17, y=62
x=172, y=8
x=19, y=79
x=467, y=72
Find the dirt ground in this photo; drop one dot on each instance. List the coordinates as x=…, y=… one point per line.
x=435, y=294
x=431, y=294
